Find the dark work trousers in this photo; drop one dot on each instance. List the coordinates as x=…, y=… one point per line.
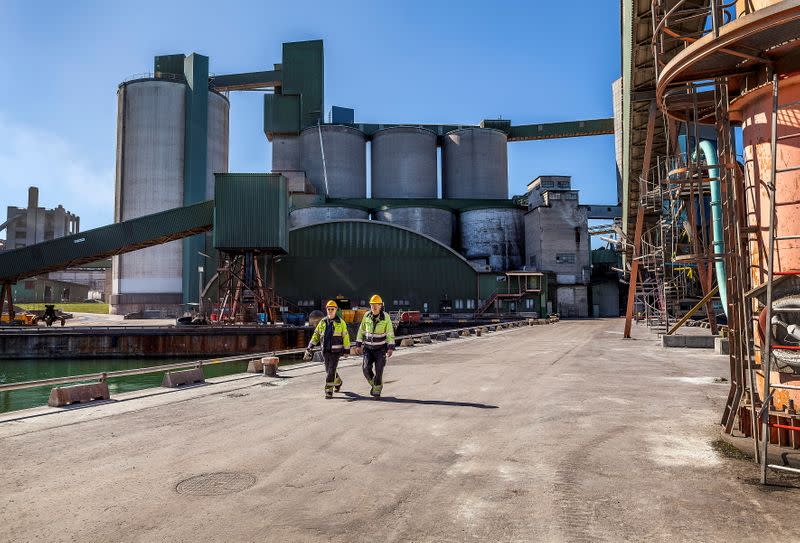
x=376, y=358
x=331, y=362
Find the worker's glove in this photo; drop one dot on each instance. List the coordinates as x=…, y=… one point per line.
x=389, y=353
x=359, y=351
x=308, y=355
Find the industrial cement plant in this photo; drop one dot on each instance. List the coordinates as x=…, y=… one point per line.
x=538, y=386
x=451, y=242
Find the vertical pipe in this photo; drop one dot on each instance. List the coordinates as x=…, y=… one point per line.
x=767, y=347
x=709, y=149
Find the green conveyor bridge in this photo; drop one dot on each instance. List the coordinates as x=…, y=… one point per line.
x=106, y=241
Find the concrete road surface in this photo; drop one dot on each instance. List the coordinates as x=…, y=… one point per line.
x=564, y=432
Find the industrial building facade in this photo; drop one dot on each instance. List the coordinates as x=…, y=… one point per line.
x=33, y=224
x=173, y=137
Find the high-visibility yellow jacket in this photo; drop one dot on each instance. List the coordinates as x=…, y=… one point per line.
x=335, y=340
x=376, y=332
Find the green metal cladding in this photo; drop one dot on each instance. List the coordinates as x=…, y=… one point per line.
x=251, y=212
x=356, y=259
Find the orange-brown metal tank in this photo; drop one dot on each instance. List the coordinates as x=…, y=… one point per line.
x=744, y=7
x=755, y=111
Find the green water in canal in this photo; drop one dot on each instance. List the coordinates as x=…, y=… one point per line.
x=12, y=371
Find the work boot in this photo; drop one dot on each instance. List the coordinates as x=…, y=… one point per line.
x=337, y=384
x=328, y=394
x=375, y=392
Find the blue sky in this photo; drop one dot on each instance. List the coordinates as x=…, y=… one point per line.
x=421, y=62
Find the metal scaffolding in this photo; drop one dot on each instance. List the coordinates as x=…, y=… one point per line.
x=697, y=219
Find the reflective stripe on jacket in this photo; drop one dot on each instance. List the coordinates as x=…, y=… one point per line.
x=376, y=332
x=339, y=338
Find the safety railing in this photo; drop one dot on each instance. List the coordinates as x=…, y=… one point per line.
x=6, y=387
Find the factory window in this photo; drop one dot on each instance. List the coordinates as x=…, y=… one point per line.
x=563, y=184
x=571, y=196
x=458, y=304
x=555, y=196
x=577, y=234
x=529, y=303
x=470, y=304
x=547, y=184
x=532, y=261
x=565, y=258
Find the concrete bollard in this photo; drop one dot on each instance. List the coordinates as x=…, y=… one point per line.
x=269, y=365
x=407, y=342
x=61, y=396
x=175, y=379
x=425, y=339
x=478, y=332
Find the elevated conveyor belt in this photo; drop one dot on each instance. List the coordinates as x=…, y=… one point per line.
x=106, y=241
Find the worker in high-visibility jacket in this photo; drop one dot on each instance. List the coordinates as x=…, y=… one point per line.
x=332, y=333
x=375, y=340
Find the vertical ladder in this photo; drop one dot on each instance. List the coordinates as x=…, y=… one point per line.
x=768, y=347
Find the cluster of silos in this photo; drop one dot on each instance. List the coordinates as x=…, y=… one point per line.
x=403, y=164
x=151, y=130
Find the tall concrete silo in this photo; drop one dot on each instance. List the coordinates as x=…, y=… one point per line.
x=475, y=164
x=436, y=222
x=345, y=151
x=493, y=237
x=151, y=130
x=404, y=163
x=306, y=216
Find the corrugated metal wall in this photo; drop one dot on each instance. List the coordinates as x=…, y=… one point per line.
x=356, y=259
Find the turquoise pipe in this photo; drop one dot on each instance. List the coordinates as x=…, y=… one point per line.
x=709, y=149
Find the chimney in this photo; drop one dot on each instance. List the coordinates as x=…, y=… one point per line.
x=33, y=197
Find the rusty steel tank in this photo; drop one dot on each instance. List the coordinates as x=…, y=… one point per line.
x=755, y=111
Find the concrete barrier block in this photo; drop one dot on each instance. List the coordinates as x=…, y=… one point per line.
x=453, y=335
x=441, y=337
x=61, y=396
x=407, y=342
x=491, y=328
x=175, y=379
x=255, y=366
x=721, y=345
x=465, y=333
x=691, y=342
x=426, y=339
x=269, y=365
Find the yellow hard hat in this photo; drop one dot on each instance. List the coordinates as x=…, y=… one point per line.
x=375, y=299
x=331, y=303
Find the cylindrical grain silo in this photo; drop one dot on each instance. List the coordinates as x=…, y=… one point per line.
x=306, y=216
x=493, y=237
x=345, y=163
x=436, y=222
x=475, y=164
x=150, y=178
x=218, y=139
x=403, y=163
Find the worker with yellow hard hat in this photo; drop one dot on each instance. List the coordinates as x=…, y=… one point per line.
x=375, y=340
x=332, y=333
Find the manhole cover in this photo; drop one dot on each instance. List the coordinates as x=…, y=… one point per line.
x=216, y=484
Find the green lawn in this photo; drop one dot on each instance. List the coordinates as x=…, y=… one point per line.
x=70, y=307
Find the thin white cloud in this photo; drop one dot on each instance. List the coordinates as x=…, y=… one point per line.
x=64, y=173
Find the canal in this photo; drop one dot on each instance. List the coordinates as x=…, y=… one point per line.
x=14, y=371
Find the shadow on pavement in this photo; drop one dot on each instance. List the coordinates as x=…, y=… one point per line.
x=353, y=397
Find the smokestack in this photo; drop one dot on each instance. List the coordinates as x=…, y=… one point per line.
x=33, y=197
